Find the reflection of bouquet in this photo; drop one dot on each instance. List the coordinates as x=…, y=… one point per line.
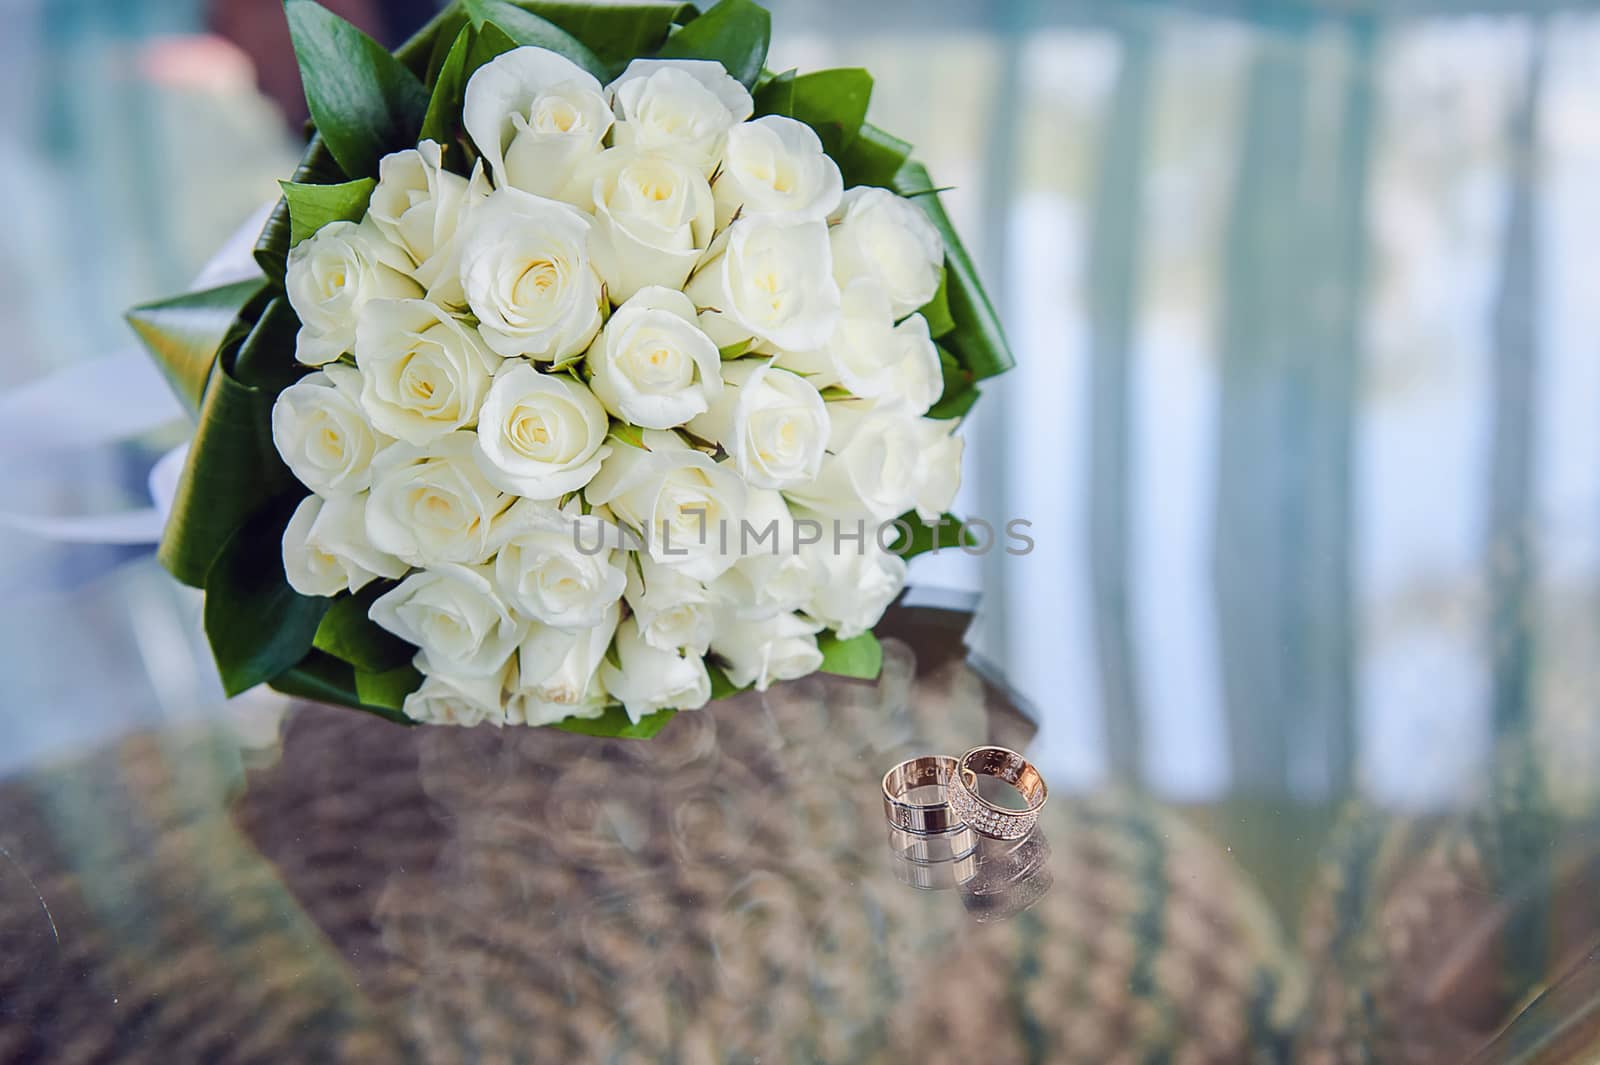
x=607, y=389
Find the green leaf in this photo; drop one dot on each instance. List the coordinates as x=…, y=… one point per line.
x=774, y=94
x=978, y=340
x=615, y=723
x=313, y=206
x=324, y=679
x=233, y=470
x=737, y=349
x=735, y=33
x=873, y=158
x=257, y=625
x=388, y=690
x=860, y=656
x=526, y=28
x=628, y=434
x=348, y=634
x=958, y=394
x=443, y=118
x=832, y=102
x=721, y=686
x=616, y=32
x=951, y=533
x=954, y=404
x=183, y=334
x=266, y=358
x=447, y=33
x=272, y=247
x=364, y=101
x=937, y=310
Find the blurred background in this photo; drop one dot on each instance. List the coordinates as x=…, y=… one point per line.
x=1304, y=420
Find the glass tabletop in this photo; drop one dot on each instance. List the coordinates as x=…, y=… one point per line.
x=731, y=892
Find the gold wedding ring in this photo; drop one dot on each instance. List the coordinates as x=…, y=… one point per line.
x=985, y=817
x=930, y=816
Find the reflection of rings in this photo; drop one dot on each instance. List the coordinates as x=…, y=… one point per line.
x=932, y=846
x=933, y=770
x=1009, y=878
x=993, y=821
x=934, y=876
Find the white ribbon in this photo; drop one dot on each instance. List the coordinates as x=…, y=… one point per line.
x=101, y=403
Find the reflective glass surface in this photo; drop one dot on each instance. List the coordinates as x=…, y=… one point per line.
x=1304, y=427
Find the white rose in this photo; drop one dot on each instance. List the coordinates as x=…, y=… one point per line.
x=857, y=586
x=671, y=609
x=770, y=576
x=547, y=570
x=651, y=679
x=331, y=275
x=326, y=551
x=770, y=280
x=419, y=206
x=772, y=423
x=527, y=276
x=651, y=365
x=423, y=372
x=322, y=433
x=681, y=106
x=654, y=217
x=782, y=647
x=537, y=117
x=559, y=674
x=540, y=435
x=455, y=615
x=681, y=501
x=886, y=237
x=446, y=699
x=431, y=505
x=895, y=366
x=776, y=166
x=881, y=464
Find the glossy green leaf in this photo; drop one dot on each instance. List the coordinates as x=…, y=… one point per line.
x=955, y=403
x=832, y=102
x=527, y=28
x=233, y=470
x=616, y=32
x=388, y=690
x=183, y=334
x=735, y=33
x=951, y=533
x=937, y=310
x=429, y=43
x=443, y=119
x=446, y=33
x=364, y=101
x=257, y=625
x=266, y=359
x=313, y=206
x=615, y=723
x=860, y=656
x=978, y=340
x=322, y=678
x=721, y=686
x=774, y=94
x=873, y=158
x=272, y=247
x=348, y=634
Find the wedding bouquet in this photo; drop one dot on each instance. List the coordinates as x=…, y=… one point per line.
x=596, y=372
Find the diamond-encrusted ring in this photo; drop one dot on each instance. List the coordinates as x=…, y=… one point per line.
x=983, y=816
x=932, y=770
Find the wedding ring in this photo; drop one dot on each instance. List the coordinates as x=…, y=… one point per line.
x=985, y=817
x=933, y=770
